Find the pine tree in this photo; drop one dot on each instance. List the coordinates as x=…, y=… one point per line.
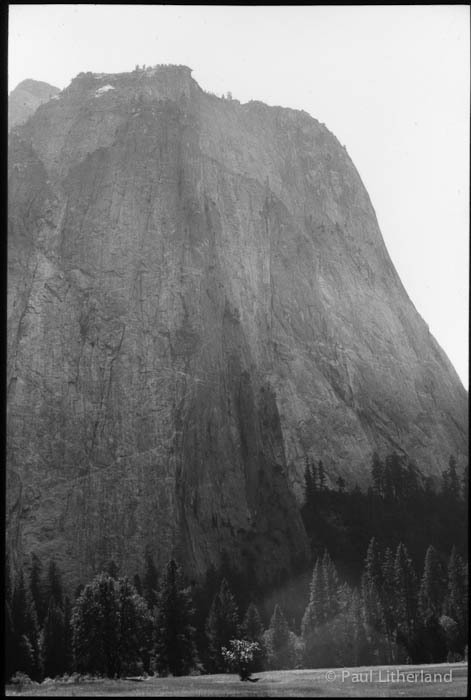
x=373, y=613
x=453, y=480
x=340, y=628
x=252, y=627
x=25, y=657
x=34, y=640
x=54, y=587
x=69, y=656
x=432, y=586
x=11, y=649
x=252, y=630
x=405, y=581
x=280, y=629
x=456, y=594
x=350, y=644
x=321, y=476
x=314, y=617
x=465, y=598
x=320, y=643
x=203, y=595
x=36, y=588
x=53, y=641
x=374, y=621
x=465, y=484
x=175, y=647
x=150, y=581
x=394, y=477
x=387, y=578
x=314, y=478
x=25, y=630
x=109, y=612
x=20, y=606
x=387, y=595
x=331, y=585
x=373, y=565
x=135, y=628
x=8, y=581
x=360, y=648
x=450, y=482
x=411, y=486
x=278, y=641
x=377, y=475
x=222, y=625
x=235, y=579
x=10, y=638
x=388, y=478
x=371, y=588
x=86, y=623
x=431, y=636
x=405, y=607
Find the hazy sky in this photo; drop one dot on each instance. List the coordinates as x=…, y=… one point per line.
x=391, y=82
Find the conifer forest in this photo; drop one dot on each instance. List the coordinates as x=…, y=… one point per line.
x=387, y=583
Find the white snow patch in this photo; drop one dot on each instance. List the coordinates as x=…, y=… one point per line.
x=103, y=89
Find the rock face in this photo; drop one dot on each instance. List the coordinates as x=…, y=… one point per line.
x=199, y=297
x=26, y=98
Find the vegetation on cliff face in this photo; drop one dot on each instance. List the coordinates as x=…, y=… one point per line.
x=399, y=506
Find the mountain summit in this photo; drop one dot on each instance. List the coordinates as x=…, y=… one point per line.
x=199, y=299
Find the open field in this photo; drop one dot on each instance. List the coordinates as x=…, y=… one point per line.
x=376, y=681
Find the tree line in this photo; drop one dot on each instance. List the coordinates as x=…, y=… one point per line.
x=360, y=620
x=393, y=616
x=400, y=505
x=117, y=627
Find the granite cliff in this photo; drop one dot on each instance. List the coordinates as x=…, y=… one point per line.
x=199, y=296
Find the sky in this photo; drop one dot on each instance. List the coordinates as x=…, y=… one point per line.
x=391, y=82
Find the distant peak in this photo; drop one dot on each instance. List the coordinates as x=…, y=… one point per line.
x=38, y=88
x=26, y=98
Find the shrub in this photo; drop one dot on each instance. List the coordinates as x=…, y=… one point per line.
x=241, y=657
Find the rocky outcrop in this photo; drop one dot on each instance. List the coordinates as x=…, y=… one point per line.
x=26, y=98
x=199, y=297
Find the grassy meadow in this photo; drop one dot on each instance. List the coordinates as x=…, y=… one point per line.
x=376, y=681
